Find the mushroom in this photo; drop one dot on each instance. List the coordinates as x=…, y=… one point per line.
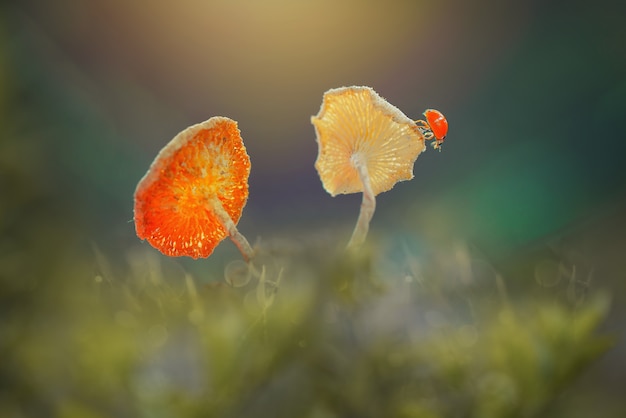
x=365, y=145
x=193, y=194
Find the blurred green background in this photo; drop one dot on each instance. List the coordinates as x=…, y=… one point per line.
x=530, y=184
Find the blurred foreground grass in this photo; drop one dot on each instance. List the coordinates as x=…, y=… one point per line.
x=317, y=333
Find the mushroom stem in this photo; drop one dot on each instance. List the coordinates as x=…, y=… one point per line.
x=368, y=205
x=240, y=241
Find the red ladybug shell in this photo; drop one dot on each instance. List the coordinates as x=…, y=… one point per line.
x=438, y=124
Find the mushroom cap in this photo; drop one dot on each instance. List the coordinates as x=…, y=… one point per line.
x=356, y=124
x=204, y=165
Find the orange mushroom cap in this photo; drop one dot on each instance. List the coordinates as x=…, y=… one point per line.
x=175, y=200
x=356, y=123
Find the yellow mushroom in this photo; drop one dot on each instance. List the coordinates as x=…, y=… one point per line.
x=365, y=145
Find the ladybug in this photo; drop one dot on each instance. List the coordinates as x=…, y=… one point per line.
x=434, y=127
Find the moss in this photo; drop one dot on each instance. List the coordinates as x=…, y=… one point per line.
x=318, y=334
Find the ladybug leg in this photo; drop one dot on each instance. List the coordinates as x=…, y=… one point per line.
x=422, y=125
x=424, y=128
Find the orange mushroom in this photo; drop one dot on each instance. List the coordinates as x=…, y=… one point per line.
x=192, y=196
x=365, y=145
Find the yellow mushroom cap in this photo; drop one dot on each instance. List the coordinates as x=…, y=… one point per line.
x=356, y=124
